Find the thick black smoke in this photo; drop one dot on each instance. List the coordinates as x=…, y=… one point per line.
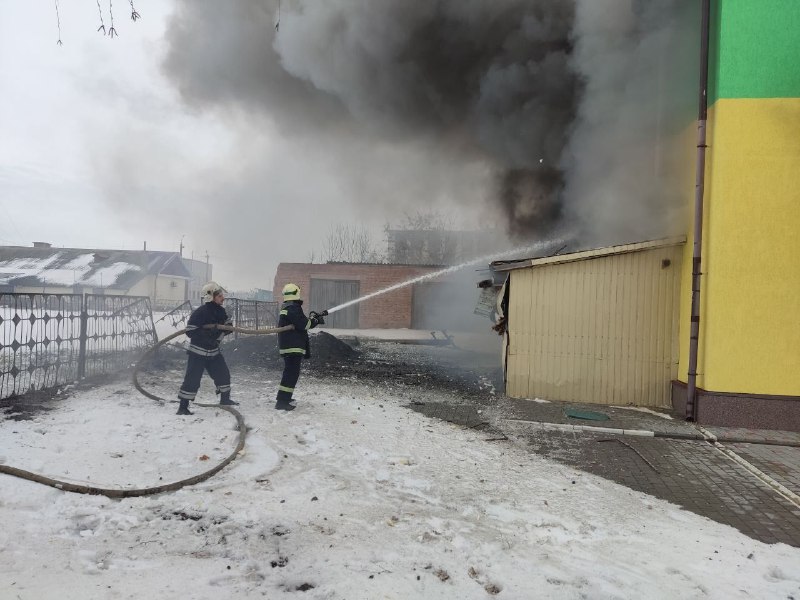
x=566, y=111
x=487, y=81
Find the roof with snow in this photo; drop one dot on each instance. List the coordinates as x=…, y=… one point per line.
x=116, y=269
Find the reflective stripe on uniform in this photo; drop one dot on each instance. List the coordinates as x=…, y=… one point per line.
x=284, y=388
x=202, y=351
x=284, y=312
x=308, y=324
x=184, y=395
x=293, y=351
x=224, y=388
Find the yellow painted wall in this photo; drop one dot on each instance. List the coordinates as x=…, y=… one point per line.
x=43, y=290
x=750, y=310
x=160, y=291
x=144, y=287
x=169, y=291
x=61, y=290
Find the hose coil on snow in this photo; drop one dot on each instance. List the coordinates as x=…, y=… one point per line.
x=167, y=487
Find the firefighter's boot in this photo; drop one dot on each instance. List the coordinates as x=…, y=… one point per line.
x=225, y=399
x=283, y=404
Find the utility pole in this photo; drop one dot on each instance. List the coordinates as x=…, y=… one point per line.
x=181, y=245
x=206, y=265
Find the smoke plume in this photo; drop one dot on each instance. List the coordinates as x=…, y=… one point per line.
x=570, y=108
x=627, y=165
x=488, y=84
x=548, y=114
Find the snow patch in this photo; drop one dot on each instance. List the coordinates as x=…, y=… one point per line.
x=645, y=410
x=394, y=506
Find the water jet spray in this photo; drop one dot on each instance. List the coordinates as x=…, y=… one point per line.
x=427, y=276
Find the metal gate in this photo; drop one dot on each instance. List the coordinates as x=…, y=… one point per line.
x=327, y=293
x=115, y=331
x=252, y=314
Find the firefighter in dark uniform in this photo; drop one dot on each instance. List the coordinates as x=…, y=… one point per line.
x=293, y=344
x=203, y=350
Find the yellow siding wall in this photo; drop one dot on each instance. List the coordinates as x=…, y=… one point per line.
x=602, y=330
x=62, y=290
x=750, y=309
x=144, y=287
x=169, y=291
x=43, y=290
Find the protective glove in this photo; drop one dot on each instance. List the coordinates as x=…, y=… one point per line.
x=222, y=334
x=316, y=318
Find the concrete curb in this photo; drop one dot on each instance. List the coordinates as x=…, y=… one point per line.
x=736, y=440
x=677, y=435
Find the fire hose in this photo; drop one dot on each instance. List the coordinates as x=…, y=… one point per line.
x=167, y=487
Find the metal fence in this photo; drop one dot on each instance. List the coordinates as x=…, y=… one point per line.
x=252, y=314
x=178, y=315
x=40, y=338
x=47, y=340
x=117, y=330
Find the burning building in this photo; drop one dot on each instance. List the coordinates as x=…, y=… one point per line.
x=617, y=325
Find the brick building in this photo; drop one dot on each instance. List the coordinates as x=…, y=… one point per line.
x=331, y=284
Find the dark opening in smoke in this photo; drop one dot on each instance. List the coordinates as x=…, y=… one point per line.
x=531, y=199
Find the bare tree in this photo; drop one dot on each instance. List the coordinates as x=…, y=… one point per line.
x=423, y=237
x=350, y=243
x=431, y=220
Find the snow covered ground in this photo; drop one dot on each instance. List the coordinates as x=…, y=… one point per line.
x=350, y=496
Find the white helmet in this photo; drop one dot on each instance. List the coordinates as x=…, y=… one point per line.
x=211, y=289
x=291, y=292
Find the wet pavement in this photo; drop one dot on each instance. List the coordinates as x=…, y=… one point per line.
x=675, y=462
x=750, y=480
x=691, y=473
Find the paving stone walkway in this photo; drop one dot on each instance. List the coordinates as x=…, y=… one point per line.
x=690, y=473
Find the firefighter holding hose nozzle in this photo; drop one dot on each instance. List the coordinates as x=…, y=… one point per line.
x=294, y=344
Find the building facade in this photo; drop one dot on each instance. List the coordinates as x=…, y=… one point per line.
x=200, y=272
x=748, y=368
x=327, y=285
x=161, y=276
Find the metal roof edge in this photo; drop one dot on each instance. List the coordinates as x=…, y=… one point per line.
x=593, y=253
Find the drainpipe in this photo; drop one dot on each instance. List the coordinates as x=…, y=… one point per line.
x=694, y=329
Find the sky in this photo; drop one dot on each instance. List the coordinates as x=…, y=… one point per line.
x=202, y=124
x=99, y=150
x=352, y=495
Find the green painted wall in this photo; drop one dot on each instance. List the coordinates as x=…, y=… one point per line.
x=755, y=49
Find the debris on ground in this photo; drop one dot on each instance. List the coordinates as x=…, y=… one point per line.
x=587, y=415
x=328, y=348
